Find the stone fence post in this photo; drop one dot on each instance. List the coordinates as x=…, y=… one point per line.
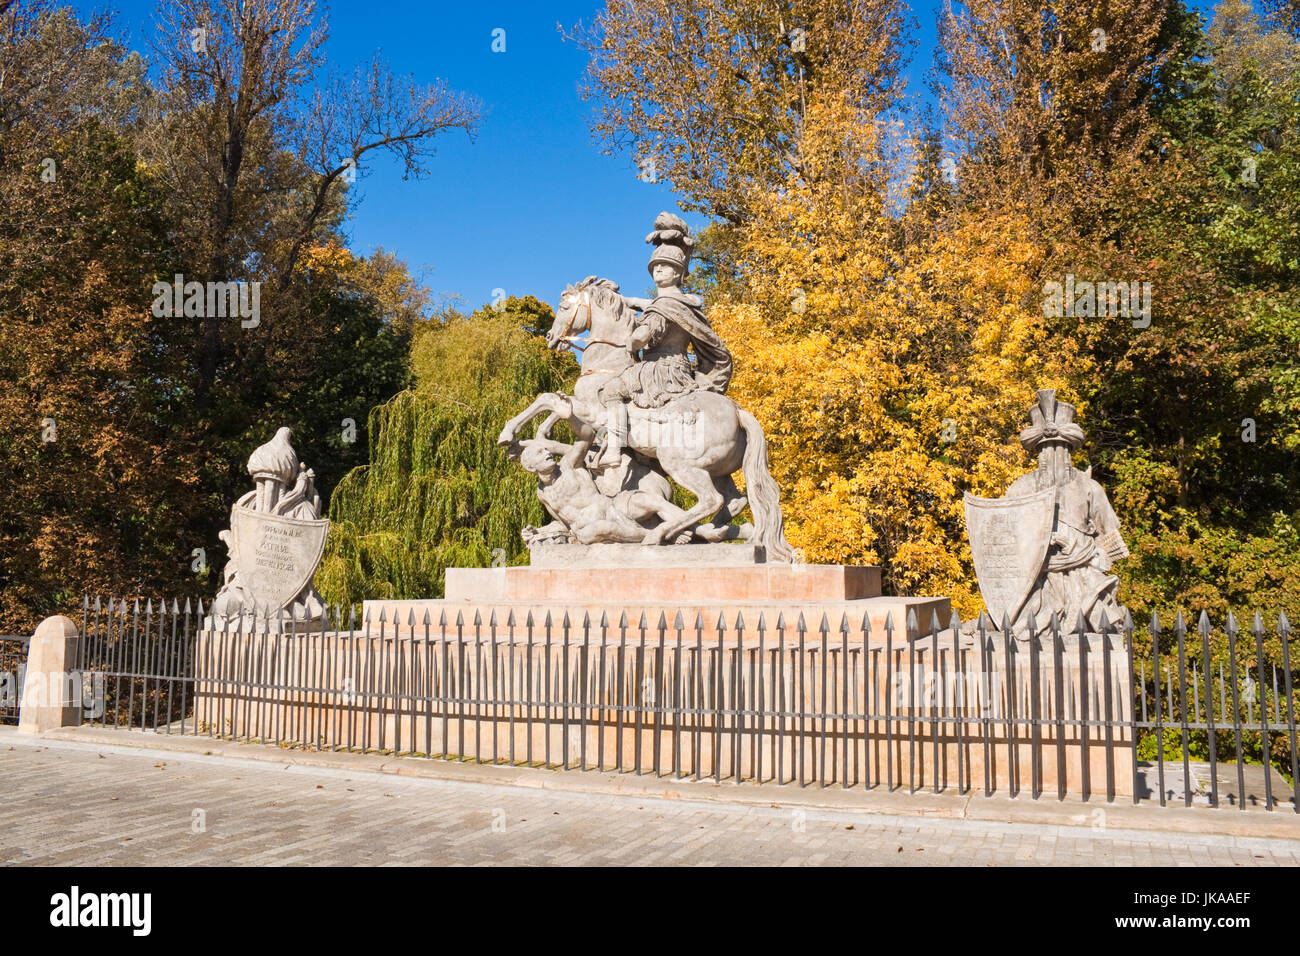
x=52, y=687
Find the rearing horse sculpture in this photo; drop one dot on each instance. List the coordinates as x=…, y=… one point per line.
x=699, y=438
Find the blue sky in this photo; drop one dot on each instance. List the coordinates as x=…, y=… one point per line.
x=531, y=204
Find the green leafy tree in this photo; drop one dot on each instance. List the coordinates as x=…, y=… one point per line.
x=438, y=492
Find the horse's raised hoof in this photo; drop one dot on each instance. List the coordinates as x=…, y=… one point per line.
x=506, y=437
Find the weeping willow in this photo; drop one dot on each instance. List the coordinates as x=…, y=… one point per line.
x=438, y=492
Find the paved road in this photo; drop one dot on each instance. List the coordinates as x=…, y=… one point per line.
x=66, y=803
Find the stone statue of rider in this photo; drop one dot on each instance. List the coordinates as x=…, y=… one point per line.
x=665, y=332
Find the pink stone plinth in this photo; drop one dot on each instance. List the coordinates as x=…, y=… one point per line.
x=760, y=583
x=876, y=610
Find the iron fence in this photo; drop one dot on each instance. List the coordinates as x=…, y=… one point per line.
x=1116, y=714
x=13, y=662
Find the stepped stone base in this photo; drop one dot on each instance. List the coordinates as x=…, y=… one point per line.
x=701, y=582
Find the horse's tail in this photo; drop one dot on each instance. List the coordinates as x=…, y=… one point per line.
x=764, y=496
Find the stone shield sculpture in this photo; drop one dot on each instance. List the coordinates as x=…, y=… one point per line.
x=1009, y=538
x=1047, y=547
x=277, y=556
x=276, y=540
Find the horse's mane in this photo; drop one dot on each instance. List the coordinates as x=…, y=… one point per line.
x=604, y=292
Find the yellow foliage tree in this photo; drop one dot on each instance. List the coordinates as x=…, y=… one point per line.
x=890, y=373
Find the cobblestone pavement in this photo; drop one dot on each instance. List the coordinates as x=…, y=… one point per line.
x=76, y=805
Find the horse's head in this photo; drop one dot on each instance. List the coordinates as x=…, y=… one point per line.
x=584, y=306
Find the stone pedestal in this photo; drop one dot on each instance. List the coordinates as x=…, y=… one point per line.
x=704, y=581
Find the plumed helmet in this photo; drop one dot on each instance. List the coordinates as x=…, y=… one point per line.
x=1051, y=423
x=672, y=241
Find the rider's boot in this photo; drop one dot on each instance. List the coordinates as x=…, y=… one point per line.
x=615, y=436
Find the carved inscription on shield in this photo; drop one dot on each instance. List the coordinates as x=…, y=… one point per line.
x=277, y=556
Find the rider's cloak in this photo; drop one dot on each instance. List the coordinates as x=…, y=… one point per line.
x=665, y=370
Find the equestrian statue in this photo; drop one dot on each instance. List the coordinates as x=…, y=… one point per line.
x=650, y=405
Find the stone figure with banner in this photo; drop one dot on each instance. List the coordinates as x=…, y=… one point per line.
x=1048, y=545
x=276, y=540
x=650, y=402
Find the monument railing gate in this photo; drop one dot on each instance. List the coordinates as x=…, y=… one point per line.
x=1170, y=715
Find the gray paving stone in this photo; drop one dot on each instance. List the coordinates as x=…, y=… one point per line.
x=59, y=808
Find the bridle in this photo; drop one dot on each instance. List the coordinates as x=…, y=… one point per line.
x=583, y=298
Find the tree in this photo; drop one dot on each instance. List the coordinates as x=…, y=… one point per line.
x=711, y=95
x=97, y=485
x=254, y=174
x=109, y=185
x=438, y=492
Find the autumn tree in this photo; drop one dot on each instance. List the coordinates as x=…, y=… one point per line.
x=111, y=183
x=96, y=485
x=712, y=95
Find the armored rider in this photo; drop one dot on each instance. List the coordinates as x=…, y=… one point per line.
x=665, y=332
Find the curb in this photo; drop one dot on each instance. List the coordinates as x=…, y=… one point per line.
x=1243, y=829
